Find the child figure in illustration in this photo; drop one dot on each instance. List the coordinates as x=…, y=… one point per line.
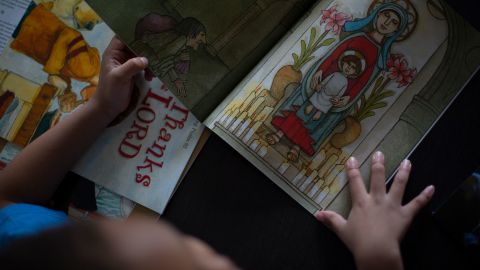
x=343, y=71
x=329, y=90
x=373, y=37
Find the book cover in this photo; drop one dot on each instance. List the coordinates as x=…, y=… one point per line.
x=49, y=67
x=142, y=157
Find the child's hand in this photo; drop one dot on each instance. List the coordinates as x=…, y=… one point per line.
x=119, y=66
x=377, y=221
x=340, y=102
x=335, y=100
x=316, y=80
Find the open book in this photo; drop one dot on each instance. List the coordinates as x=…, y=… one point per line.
x=297, y=88
x=49, y=67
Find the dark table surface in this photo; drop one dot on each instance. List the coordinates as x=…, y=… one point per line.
x=231, y=205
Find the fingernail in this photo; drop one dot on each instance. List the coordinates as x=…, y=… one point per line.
x=406, y=164
x=144, y=60
x=352, y=163
x=378, y=157
x=318, y=215
x=429, y=190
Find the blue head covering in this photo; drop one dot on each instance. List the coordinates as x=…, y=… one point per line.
x=361, y=23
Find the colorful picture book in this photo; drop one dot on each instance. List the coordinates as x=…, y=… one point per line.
x=298, y=86
x=50, y=66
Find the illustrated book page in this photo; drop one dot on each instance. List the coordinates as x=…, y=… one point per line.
x=50, y=67
x=352, y=78
x=143, y=156
x=201, y=48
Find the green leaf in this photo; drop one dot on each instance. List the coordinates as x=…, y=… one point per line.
x=327, y=42
x=322, y=36
x=295, y=58
x=303, y=46
x=385, y=95
x=378, y=82
x=313, y=35
x=363, y=99
x=378, y=105
x=368, y=114
x=389, y=93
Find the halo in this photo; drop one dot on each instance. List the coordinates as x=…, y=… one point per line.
x=411, y=11
x=355, y=53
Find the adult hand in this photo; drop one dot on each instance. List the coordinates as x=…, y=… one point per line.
x=119, y=66
x=378, y=220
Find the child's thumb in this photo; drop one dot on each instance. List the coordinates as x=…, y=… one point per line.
x=332, y=220
x=132, y=67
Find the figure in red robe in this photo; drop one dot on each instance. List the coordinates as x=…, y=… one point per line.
x=388, y=22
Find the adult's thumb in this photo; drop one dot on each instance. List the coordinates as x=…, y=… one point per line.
x=132, y=67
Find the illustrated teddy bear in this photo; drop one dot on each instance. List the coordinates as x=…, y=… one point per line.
x=62, y=50
x=75, y=13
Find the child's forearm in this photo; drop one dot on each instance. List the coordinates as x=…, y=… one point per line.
x=34, y=175
x=37, y=171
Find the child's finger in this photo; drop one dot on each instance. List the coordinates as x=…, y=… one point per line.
x=377, y=178
x=332, y=220
x=400, y=181
x=130, y=68
x=420, y=201
x=355, y=181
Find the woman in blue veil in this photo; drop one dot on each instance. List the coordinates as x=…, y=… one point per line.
x=372, y=37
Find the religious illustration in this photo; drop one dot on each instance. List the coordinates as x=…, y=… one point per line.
x=338, y=86
x=368, y=53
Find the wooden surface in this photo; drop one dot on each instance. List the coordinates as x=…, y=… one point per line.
x=231, y=205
